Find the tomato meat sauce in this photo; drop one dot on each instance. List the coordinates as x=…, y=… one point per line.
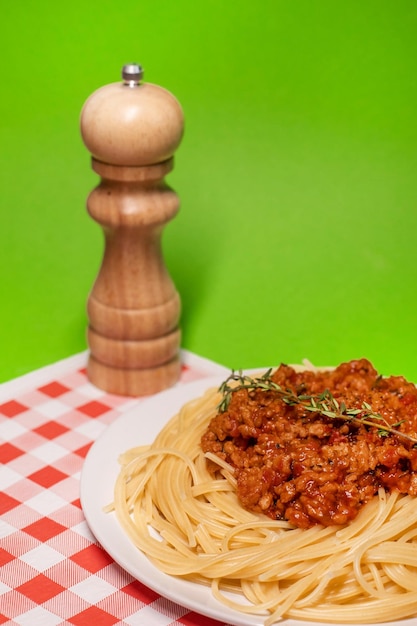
x=309, y=468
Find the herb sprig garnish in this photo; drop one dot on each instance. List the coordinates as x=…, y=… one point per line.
x=323, y=403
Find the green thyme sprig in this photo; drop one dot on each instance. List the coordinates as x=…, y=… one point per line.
x=323, y=403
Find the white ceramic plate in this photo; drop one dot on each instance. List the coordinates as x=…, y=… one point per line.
x=139, y=426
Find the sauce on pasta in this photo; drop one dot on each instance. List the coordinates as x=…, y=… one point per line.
x=302, y=466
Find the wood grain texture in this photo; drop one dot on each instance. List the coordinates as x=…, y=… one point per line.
x=133, y=307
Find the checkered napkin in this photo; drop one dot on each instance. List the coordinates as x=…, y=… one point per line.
x=52, y=570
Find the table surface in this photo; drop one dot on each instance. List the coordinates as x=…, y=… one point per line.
x=297, y=175
x=52, y=569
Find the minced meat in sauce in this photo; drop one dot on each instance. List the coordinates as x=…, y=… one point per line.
x=304, y=467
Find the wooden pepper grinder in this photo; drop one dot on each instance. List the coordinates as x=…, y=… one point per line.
x=132, y=130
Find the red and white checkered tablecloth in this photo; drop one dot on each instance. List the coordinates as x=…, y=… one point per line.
x=52, y=570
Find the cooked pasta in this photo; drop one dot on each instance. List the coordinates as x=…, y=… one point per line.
x=190, y=524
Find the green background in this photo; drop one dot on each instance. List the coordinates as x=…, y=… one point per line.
x=297, y=235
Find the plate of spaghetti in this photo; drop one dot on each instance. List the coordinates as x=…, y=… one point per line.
x=282, y=496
